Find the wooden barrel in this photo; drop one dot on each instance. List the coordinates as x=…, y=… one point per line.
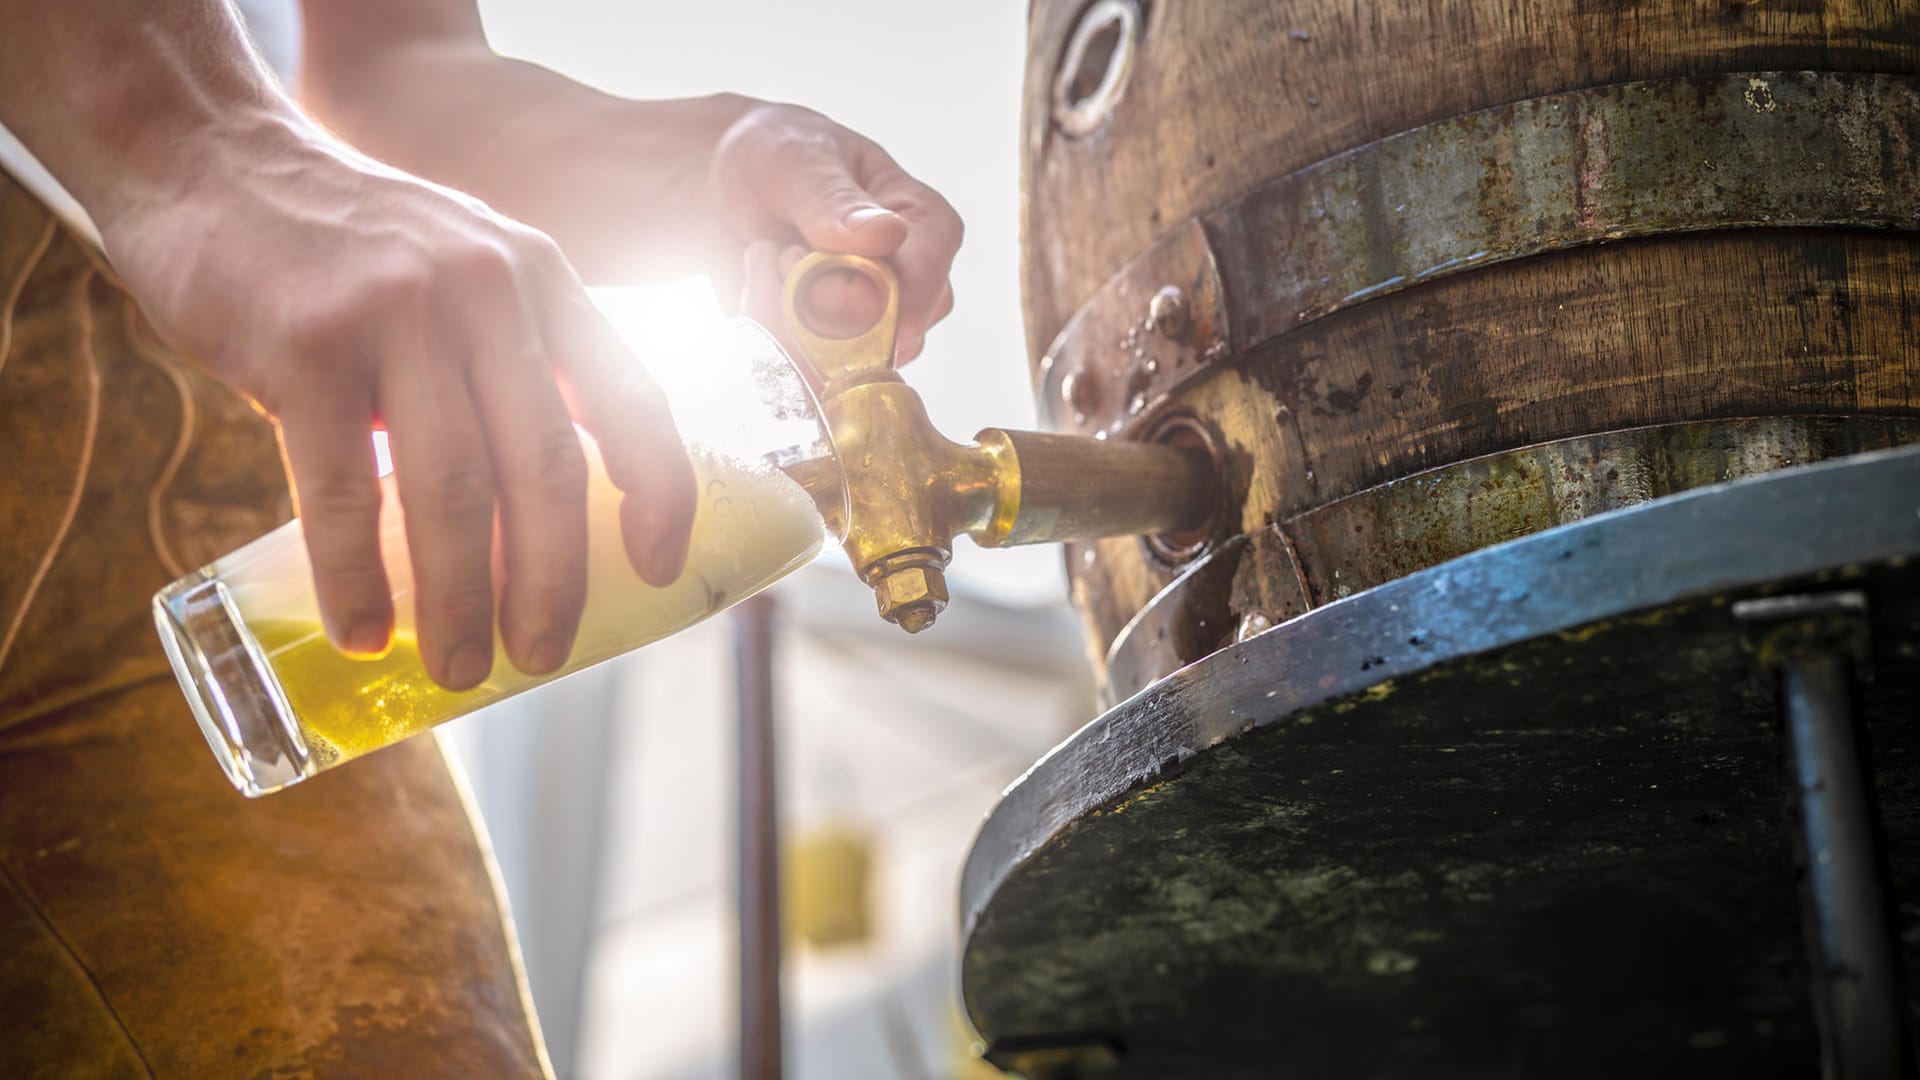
x=1432, y=274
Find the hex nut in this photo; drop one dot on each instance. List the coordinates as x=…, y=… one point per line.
x=911, y=596
x=911, y=585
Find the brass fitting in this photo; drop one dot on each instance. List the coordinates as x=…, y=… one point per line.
x=909, y=490
x=911, y=588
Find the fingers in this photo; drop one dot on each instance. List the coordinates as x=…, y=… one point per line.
x=787, y=174
x=795, y=171
x=621, y=406
x=941, y=309
x=760, y=292
x=840, y=303
x=446, y=484
x=760, y=283
x=326, y=436
x=725, y=265
x=540, y=474
x=834, y=303
x=924, y=260
x=483, y=446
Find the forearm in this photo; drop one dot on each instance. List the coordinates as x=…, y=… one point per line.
x=129, y=101
x=630, y=190
x=621, y=185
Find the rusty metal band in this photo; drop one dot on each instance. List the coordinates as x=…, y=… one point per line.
x=1747, y=150
x=1387, y=532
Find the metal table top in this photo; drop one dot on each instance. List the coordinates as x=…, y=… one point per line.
x=1519, y=814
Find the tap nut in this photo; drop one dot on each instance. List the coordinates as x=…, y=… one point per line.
x=911, y=597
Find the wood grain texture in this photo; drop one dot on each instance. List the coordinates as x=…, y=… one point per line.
x=1228, y=94
x=1225, y=94
x=1745, y=324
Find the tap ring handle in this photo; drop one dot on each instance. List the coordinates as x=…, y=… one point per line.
x=866, y=353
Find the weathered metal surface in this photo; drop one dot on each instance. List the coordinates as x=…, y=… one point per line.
x=1665, y=330
x=1225, y=95
x=1190, y=618
x=1115, y=360
x=1093, y=71
x=1746, y=150
x=757, y=841
x=1394, y=529
x=898, y=492
x=1514, y=815
x=1816, y=647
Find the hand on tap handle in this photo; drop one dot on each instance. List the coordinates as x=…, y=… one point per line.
x=909, y=490
x=405, y=246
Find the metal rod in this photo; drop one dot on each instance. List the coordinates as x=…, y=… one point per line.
x=759, y=838
x=1859, y=994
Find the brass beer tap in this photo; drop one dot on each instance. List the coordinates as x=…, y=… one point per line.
x=909, y=490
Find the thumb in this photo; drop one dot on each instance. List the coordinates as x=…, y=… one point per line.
x=820, y=198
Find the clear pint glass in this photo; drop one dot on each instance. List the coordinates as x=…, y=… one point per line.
x=278, y=703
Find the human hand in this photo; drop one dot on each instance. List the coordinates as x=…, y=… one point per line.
x=339, y=294
x=789, y=180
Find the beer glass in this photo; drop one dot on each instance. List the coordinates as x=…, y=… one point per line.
x=276, y=701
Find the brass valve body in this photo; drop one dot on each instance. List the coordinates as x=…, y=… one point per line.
x=909, y=490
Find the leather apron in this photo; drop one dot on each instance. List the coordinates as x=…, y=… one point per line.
x=152, y=921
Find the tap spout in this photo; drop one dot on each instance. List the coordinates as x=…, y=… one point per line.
x=909, y=490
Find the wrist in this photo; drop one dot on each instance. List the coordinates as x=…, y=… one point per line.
x=122, y=107
x=154, y=123
x=679, y=135
x=677, y=139
x=716, y=113
x=179, y=159
x=624, y=186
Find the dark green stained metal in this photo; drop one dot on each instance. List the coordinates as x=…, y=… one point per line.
x=1385, y=532
x=1519, y=814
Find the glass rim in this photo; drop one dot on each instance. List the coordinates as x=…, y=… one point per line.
x=235, y=732
x=807, y=378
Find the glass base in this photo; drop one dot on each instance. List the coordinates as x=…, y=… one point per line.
x=233, y=691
